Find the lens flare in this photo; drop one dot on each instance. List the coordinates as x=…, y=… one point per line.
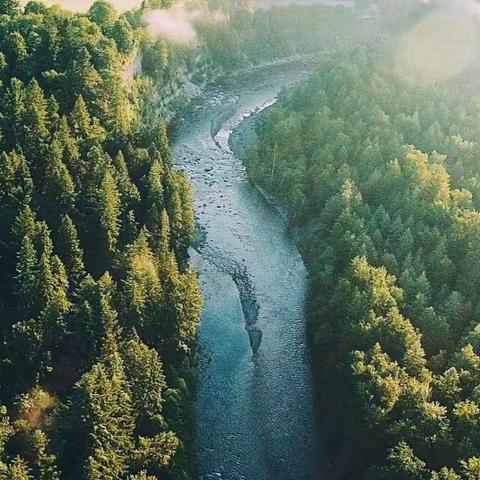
x=439, y=47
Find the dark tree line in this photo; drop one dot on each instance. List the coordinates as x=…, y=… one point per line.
x=98, y=308
x=381, y=181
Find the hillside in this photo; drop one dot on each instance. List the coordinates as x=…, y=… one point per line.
x=98, y=306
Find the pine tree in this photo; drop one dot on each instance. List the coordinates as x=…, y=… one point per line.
x=16, y=50
x=156, y=452
x=18, y=470
x=100, y=423
x=109, y=211
x=168, y=333
x=162, y=145
x=163, y=247
x=25, y=280
x=127, y=189
x=9, y=7
x=80, y=119
x=154, y=202
x=84, y=79
x=144, y=373
x=71, y=155
x=16, y=188
x=34, y=120
x=34, y=443
x=23, y=226
x=53, y=315
x=129, y=230
x=180, y=210
x=94, y=316
x=86, y=130
x=142, y=290
x=189, y=309
x=70, y=251
x=59, y=189
x=102, y=13
x=123, y=35
x=14, y=106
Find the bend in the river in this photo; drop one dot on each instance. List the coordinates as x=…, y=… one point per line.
x=254, y=410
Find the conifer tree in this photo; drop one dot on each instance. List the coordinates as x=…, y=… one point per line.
x=70, y=251
x=109, y=211
x=18, y=470
x=9, y=7
x=129, y=193
x=84, y=79
x=23, y=226
x=144, y=373
x=155, y=195
x=59, y=189
x=26, y=288
x=94, y=316
x=86, y=130
x=123, y=35
x=70, y=151
x=34, y=123
x=102, y=406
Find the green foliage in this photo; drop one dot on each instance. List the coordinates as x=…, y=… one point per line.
x=390, y=237
x=257, y=36
x=97, y=323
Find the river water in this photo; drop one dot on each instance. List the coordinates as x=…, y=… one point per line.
x=254, y=409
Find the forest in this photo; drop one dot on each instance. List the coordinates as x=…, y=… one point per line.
x=377, y=168
x=99, y=308
x=380, y=179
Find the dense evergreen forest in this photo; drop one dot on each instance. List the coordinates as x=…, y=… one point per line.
x=381, y=180
x=99, y=308
x=254, y=38
x=231, y=38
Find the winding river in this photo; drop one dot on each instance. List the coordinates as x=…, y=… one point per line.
x=254, y=410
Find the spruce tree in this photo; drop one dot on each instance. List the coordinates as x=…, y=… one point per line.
x=70, y=251
x=9, y=7
x=25, y=279
x=59, y=189
x=23, y=226
x=109, y=211
x=18, y=470
x=128, y=191
x=144, y=373
x=155, y=195
x=34, y=124
x=101, y=405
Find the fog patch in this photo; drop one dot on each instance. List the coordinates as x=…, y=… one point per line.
x=175, y=23
x=178, y=22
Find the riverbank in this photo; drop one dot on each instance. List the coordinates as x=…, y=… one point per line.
x=254, y=411
x=242, y=138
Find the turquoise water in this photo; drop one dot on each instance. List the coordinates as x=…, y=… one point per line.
x=254, y=414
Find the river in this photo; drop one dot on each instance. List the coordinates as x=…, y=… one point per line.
x=255, y=395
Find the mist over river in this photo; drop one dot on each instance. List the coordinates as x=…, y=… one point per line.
x=254, y=411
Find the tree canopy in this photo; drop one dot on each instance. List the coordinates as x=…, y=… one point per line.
x=380, y=180
x=95, y=224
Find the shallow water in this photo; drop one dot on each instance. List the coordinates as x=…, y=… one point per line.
x=254, y=411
